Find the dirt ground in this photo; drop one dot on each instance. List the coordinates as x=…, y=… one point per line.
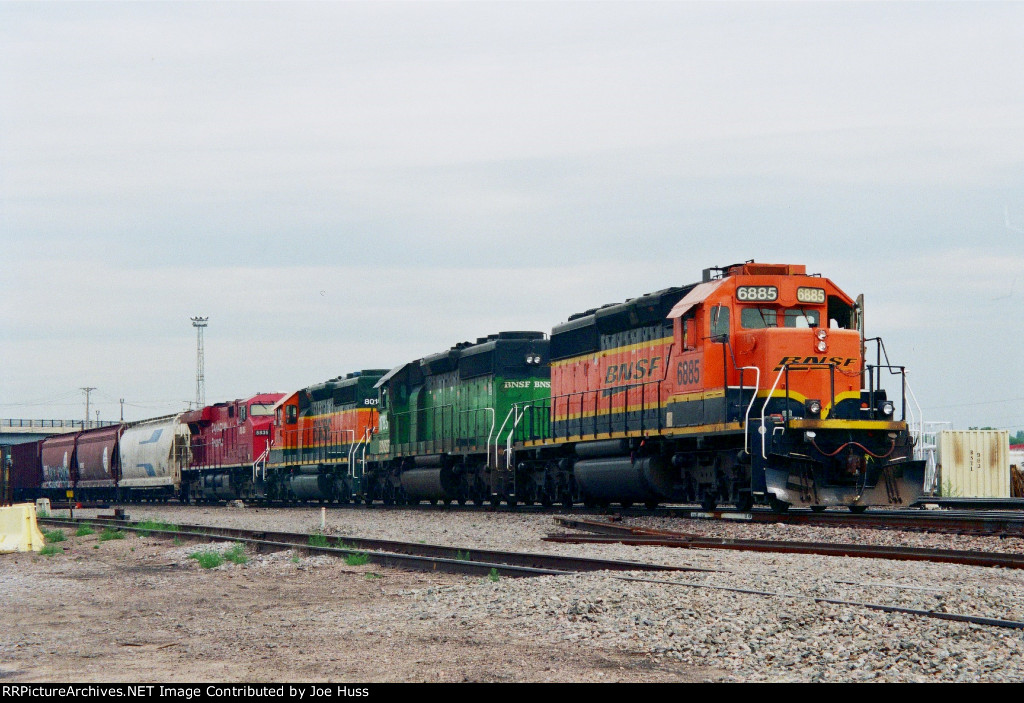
x=140, y=610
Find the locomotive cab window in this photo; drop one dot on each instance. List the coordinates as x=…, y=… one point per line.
x=719, y=322
x=292, y=414
x=802, y=318
x=840, y=315
x=758, y=318
x=689, y=330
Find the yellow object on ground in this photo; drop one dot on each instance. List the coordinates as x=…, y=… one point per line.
x=18, y=529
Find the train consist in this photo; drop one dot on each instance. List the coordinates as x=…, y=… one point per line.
x=753, y=385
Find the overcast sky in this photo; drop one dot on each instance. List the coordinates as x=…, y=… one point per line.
x=345, y=185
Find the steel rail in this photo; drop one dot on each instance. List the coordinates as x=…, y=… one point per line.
x=961, y=522
x=956, y=617
x=635, y=536
x=394, y=553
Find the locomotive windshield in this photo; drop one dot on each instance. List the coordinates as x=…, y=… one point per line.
x=757, y=318
x=802, y=317
x=261, y=409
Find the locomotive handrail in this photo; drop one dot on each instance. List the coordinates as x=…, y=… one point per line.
x=762, y=429
x=354, y=448
x=750, y=406
x=497, y=438
x=511, y=431
x=262, y=458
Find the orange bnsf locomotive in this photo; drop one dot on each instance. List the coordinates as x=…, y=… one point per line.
x=751, y=386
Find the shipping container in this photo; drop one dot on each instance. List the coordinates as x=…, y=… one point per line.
x=974, y=463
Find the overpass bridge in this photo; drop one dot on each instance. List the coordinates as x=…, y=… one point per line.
x=17, y=431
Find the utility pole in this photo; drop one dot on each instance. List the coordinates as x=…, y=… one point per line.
x=87, y=390
x=122, y=409
x=200, y=324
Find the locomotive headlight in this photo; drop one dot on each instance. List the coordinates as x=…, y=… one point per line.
x=813, y=408
x=821, y=346
x=821, y=333
x=887, y=407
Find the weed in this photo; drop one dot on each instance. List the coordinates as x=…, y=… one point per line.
x=42, y=514
x=236, y=555
x=318, y=540
x=50, y=550
x=177, y=541
x=295, y=559
x=207, y=559
x=95, y=546
x=84, y=530
x=370, y=575
x=357, y=559
x=54, y=536
x=110, y=533
x=462, y=556
x=148, y=526
x=493, y=576
x=949, y=491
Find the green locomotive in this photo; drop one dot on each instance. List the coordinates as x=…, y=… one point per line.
x=446, y=419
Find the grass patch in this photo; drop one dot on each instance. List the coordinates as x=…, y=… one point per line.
x=50, y=550
x=84, y=531
x=295, y=559
x=207, y=559
x=146, y=527
x=236, y=555
x=54, y=536
x=371, y=575
x=357, y=559
x=110, y=533
x=42, y=514
x=318, y=540
x=493, y=576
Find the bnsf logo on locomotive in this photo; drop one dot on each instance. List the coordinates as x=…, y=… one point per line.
x=837, y=361
x=642, y=368
x=526, y=384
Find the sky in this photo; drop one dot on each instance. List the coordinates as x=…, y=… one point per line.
x=345, y=185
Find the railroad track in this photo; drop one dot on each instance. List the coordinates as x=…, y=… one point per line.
x=436, y=558
x=998, y=523
x=402, y=555
x=608, y=533
x=959, y=522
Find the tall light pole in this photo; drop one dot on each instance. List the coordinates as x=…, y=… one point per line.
x=87, y=390
x=200, y=324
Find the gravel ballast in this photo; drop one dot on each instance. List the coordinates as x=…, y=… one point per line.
x=724, y=634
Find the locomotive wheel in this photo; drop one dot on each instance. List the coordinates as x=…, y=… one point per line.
x=651, y=505
x=777, y=506
x=745, y=502
x=708, y=503
x=857, y=509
